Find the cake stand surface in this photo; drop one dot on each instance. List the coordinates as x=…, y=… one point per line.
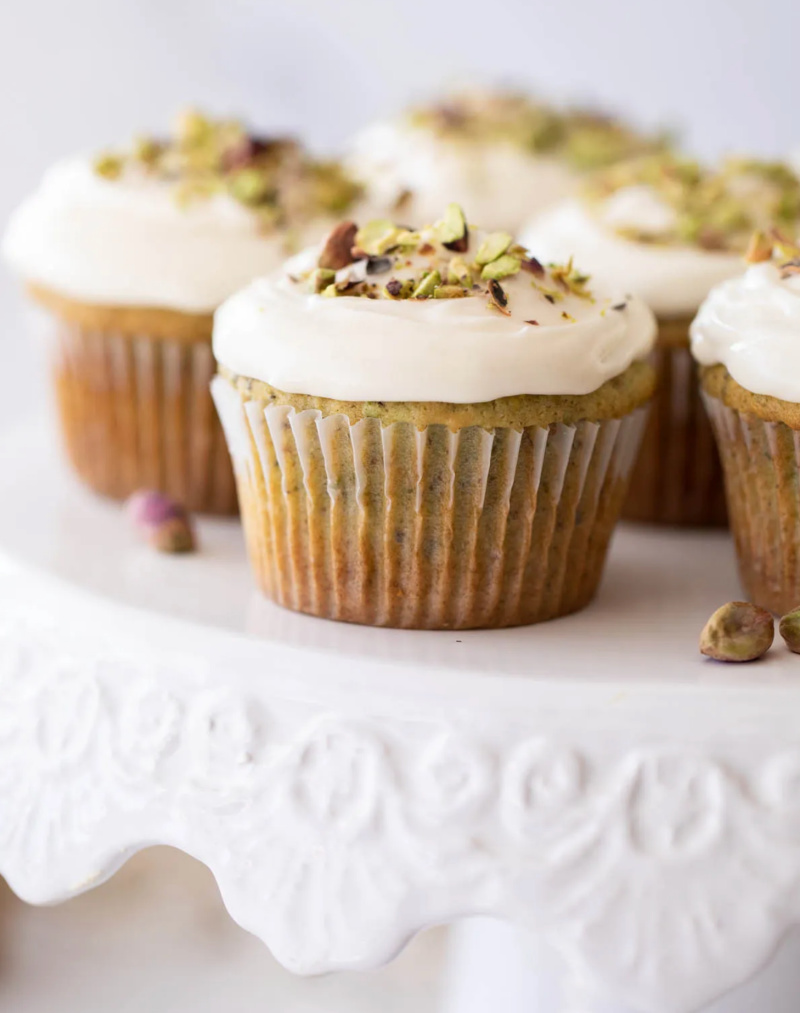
x=633, y=807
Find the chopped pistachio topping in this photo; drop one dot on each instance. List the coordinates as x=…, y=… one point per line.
x=383, y=260
x=452, y=230
x=494, y=246
x=713, y=209
x=427, y=286
x=587, y=140
x=777, y=247
x=503, y=267
x=272, y=177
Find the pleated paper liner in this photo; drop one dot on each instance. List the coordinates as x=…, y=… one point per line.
x=678, y=477
x=434, y=529
x=136, y=412
x=762, y=475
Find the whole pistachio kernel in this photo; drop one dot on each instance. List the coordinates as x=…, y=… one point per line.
x=493, y=246
x=503, y=267
x=426, y=287
x=738, y=631
x=790, y=630
x=452, y=231
x=450, y=292
x=108, y=166
x=376, y=237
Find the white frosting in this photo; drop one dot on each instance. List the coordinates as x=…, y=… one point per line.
x=751, y=325
x=454, y=350
x=673, y=280
x=499, y=182
x=128, y=242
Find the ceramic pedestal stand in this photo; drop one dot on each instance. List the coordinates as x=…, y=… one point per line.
x=592, y=780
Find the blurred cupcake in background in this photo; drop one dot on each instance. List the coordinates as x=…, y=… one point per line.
x=429, y=428
x=669, y=230
x=127, y=255
x=500, y=154
x=746, y=338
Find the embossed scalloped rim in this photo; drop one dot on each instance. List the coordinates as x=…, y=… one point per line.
x=342, y=809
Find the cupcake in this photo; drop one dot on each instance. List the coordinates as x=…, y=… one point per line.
x=746, y=339
x=500, y=154
x=128, y=255
x=669, y=230
x=429, y=429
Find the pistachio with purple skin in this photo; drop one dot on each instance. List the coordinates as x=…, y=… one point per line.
x=738, y=631
x=163, y=522
x=337, y=251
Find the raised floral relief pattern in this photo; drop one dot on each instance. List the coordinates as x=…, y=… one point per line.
x=334, y=836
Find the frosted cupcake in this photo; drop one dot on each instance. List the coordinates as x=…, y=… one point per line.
x=128, y=255
x=500, y=154
x=430, y=429
x=669, y=231
x=747, y=339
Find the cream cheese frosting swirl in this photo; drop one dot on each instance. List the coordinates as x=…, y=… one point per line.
x=177, y=224
x=751, y=326
x=428, y=324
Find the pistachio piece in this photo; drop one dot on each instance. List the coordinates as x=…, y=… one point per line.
x=493, y=246
x=738, y=631
x=163, y=522
x=426, y=287
x=790, y=630
x=191, y=127
x=450, y=292
x=759, y=249
x=330, y=292
x=250, y=186
x=146, y=150
x=321, y=278
x=532, y=266
x=458, y=272
x=376, y=237
x=337, y=251
x=397, y=289
x=452, y=231
x=498, y=298
x=503, y=267
x=108, y=166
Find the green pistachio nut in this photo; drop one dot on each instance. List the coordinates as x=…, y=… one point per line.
x=108, y=166
x=790, y=630
x=453, y=226
x=426, y=287
x=493, y=246
x=458, y=272
x=738, y=631
x=503, y=267
x=249, y=186
x=377, y=236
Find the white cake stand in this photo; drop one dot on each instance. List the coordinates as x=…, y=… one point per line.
x=633, y=807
